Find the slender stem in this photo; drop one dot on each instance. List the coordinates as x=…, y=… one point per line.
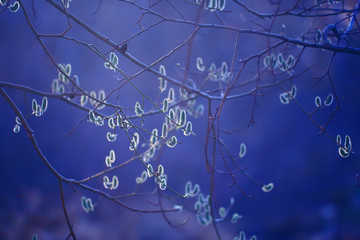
x=72, y=234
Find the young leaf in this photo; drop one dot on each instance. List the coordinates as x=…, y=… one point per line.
x=235, y=217
x=93, y=97
x=138, y=180
x=133, y=145
x=150, y=170
x=111, y=123
x=200, y=64
x=150, y=153
x=163, y=82
x=55, y=86
x=212, y=72
x=101, y=95
x=136, y=138
x=347, y=143
x=329, y=99
x=317, y=101
x=290, y=62
x=138, y=110
x=284, y=99
x=188, y=188
x=188, y=129
x=106, y=182
x=16, y=128
x=164, y=130
x=208, y=216
x=171, y=95
x=112, y=56
x=14, y=7
x=319, y=36
x=114, y=60
x=165, y=105
x=66, y=3
x=160, y=170
x=144, y=176
x=195, y=190
x=171, y=117
x=61, y=76
x=90, y=204
x=222, y=212
x=153, y=137
x=61, y=88
x=111, y=137
x=68, y=69
x=242, y=150
x=162, y=184
x=44, y=104
x=172, y=142
x=197, y=206
x=92, y=117
x=242, y=236
x=343, y=152
x=99, y=121
x=34, y=106
x=224, y=69
x=38, y=112
x=84, y=204
x=114, y=183
x=83, y=100
x=17, y=120
x=107, y=161
x=338, y=140
x=201, y=220
x=222, y=4
x=293, y=91
x=199, y=111
x=107, y=65
x=182, y=119
x=201, y=199
x=112, y=155
x=162, y=70
x=118, y=121
x=273, y=61
x=268, y=187
x=211, y=4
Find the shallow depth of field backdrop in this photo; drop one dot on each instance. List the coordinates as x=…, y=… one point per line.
x=314, y=195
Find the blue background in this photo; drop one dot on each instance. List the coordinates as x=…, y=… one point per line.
x=314, y=197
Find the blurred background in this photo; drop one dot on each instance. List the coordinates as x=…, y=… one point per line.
x=315, y=196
